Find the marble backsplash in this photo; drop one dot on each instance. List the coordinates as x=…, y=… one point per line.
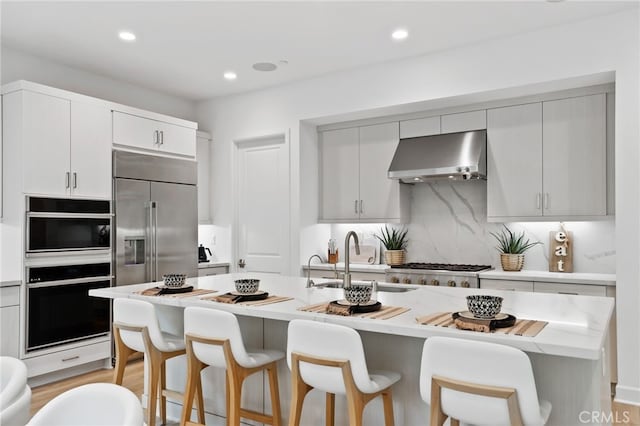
x=449, y=225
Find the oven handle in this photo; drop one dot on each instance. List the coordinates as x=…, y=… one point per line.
x=70, y=281
x=71, y=215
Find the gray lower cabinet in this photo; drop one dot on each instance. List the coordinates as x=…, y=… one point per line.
x=214, y=270
x=10, y=321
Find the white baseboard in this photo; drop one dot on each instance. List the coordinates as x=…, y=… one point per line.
x=627, y=395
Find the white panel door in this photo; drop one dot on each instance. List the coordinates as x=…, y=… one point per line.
x=575, y=156
x=46, y=144
x=10, y=331
x=177, y=139
x=90, y=150
x=263, y=205
x=340, y=175
x=379, y=195
x=136, y=132
x=514, y=161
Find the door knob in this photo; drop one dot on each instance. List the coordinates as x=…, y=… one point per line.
x=241, y=263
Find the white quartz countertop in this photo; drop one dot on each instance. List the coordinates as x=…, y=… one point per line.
x=577, y=324
x=355, y=267
x=556, y=277
x=211, y=264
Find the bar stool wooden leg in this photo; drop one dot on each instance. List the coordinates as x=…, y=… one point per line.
x=163, y=398
x=194, y=366
x=330, y=411
x=154, y=375
x=387, y=401
x=274, y=389
x=454, y=422
x=123, y=352
x=234, y=398
x=200, y=398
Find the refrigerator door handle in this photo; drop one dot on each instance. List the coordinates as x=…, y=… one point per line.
x=149, y=242
x=154, y=206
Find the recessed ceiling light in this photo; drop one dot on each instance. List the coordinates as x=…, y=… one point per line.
x=264, y=66
x=400, y=34
x=230, y=75
x=126, y=36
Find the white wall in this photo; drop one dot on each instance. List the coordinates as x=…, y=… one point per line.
x=17, y=65
x=595, y=46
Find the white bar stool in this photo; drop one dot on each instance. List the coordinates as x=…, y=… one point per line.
x=15, y=394
x=95, y=404
x=479, y=383
x=136, y=329
x=330, y=358
x=213, y=338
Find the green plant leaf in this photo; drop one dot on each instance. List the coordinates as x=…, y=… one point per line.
x=508, y=242
x=392, y=238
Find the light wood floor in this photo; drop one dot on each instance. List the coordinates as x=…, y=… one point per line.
x=134, y=380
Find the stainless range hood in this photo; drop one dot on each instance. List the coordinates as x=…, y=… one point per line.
x=459, y=156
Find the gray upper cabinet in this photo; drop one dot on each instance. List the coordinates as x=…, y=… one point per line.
x=464, y=121
x=355, y=186
x=575, y=156
x=420, y=127
x=514, y=161
x=548, y=159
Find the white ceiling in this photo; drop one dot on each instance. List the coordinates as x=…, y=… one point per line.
x=183, y=48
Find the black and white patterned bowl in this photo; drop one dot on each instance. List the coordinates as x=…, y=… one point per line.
x=174, y=280
x=485, y=307
x=358, y=294
x=247, y=285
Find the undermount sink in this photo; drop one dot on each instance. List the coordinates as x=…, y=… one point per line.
x=381, y=287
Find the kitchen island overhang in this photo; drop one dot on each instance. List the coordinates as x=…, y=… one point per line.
x=568, y=355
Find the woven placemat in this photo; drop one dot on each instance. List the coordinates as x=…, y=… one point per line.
x=156, y=291
x=522, y=327
x=385, y=312
x=269, y=300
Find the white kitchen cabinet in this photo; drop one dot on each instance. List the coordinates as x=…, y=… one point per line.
x=575, y=156
x=566, y=288
x=547, y=159
x=464, y=121
x=340, y=175
x=355, y=186
x=44, y=134
x=65, y=145
x=508, y=285
x=420, y=127
x=153, y=135
x=355, y=275
x=90, y=150
x=514, y=161
x=203, y=151
x=10, y=321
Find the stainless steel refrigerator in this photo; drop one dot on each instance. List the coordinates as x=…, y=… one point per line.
x=156, y=217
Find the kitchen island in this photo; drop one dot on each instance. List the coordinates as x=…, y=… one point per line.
x=568, y=355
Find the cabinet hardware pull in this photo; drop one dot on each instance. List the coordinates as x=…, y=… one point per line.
x=70, y=359
x=66, y=180
x=161, y=137
x=356, y=207
x=545, y=203
x=360, y=206
x=156, y=137
x=75, y=180
x=564, y=292
x=538, y=196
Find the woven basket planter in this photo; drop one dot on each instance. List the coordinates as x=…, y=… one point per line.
x=512, y=262
x=394, y=257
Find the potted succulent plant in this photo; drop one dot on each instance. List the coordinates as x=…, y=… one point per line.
x=512, y=247
x=394, y=241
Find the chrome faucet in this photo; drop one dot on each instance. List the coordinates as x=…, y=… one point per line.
x=309, y=281
x=347, y=275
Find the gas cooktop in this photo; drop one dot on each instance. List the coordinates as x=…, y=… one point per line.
x=442, y=267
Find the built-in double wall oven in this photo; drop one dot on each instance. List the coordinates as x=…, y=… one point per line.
x=68, y=253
